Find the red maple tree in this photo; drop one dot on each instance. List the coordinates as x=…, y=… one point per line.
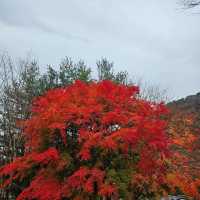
x=93, y=141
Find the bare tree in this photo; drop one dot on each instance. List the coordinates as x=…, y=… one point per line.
x=151, y=92
x=190, y=3
x=18, y=86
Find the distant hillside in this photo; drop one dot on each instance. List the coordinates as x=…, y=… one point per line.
x=189, y=104
x=186, y=106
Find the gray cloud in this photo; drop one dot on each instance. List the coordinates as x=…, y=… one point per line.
x=22, y=15
x=156, y=40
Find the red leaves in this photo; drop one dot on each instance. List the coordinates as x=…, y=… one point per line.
x=108, y=190
x=84, y=180
x=18, y=168
x=51, y=155
x=77, y=135
x=42, y=187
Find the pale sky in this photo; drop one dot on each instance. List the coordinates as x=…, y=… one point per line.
x=155, y=39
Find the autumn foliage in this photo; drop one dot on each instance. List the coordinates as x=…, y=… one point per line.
x=184, y=163
x=99, y=141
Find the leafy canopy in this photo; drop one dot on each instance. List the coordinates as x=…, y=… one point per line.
x=93, y=141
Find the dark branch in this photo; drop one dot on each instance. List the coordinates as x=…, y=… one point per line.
x=190, y=3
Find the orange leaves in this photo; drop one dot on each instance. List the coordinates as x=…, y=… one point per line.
x=184, y=183
x=183, y=173
x=185, y=141
x=108, y=190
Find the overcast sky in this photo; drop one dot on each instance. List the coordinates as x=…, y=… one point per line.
x=155, y=39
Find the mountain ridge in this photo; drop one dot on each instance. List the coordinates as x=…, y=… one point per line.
x=187, y=104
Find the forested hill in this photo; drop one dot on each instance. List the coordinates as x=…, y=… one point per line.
x=187, y=107
x=189, y=104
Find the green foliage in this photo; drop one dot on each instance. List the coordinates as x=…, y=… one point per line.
x=106, y=72
x=70, y=71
